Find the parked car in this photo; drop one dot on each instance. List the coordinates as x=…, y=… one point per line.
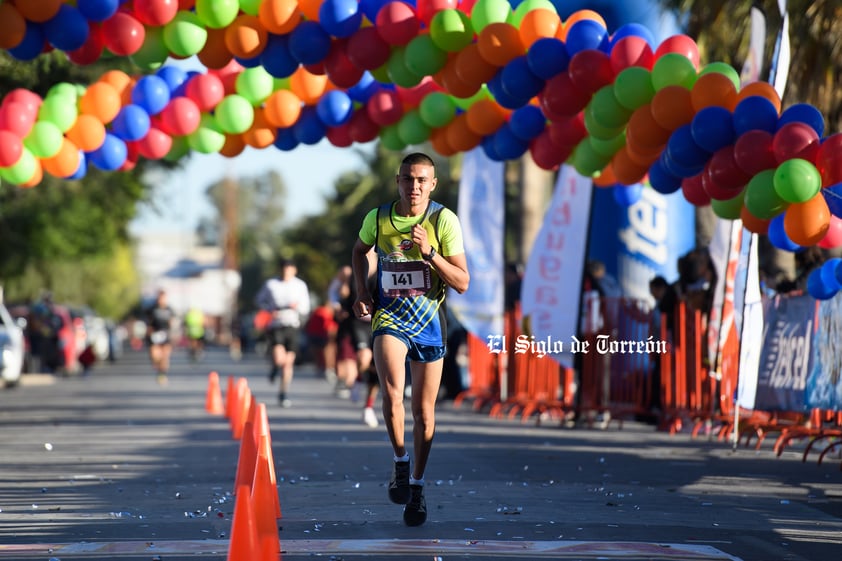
x=12, y=348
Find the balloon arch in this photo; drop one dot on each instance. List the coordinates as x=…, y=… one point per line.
x=459, y=74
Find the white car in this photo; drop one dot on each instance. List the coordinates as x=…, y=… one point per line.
x=12, y=348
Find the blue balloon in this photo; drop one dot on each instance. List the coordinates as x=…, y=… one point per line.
x=31, y=45
x=364, y=89
x=309, y=43
x=828, y=273
x=252, y=62
x=755, y=113
x=174, y=77
x=335, y=108
x=131, y=123
x=778, y=236
x=309, y=129
x=817, y=288
x=97, y=10
x=181, y=90
x=507, y=145
x=285, y=140
x=490, y=150
x=67, y=30
x=501, y=96
x=527, y=122
x=276, y=57
x=151, y=93
x=671, y=167
x=684, y=151
x=371, y=8
x=586, y=34
x=803, y=113
x=633, y=30
x=547, y=57
x=712, y=128
x=833, y=198
x=111, y=154
x=82, y=169
x=340, y=18
x=518, y=81
x=662, y=180
x=627, y=195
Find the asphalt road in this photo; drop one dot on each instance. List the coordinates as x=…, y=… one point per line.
x=115, y=466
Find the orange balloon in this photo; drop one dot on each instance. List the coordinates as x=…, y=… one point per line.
x=39, y=11
x=451, y=82
x=279, y=16
x=485, y=116
x=245, y=37
x=310, y=8
x=308, y=87
x=644, y=131
x=713, y=90
x=102, y=101
x=579, y=15
x=215, y=53
x=12, y=26
x=438, y=140
x=499, y=43
x=460, y=136
x=537, y=24
x=471, y=67
x=806, y=223
x=642, y=155
x=762, y=89
x=87, y=133
x=119, y=80
x=234, y=145
x=626, y=170
x=261, y=133
x=752, y=223
x=65, y=162
x=282, y=108
x=672, y=107
x=606, y=177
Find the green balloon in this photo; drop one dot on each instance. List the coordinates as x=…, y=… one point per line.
x=234, y=114
x=423, y=57
x=723, y=68
x=255, y=84
x=397, y=71
x=217, y=14
x=44, y=140
x=464, y=102
x=208, y=138
x=489, y=11
x=412, y=129
x=60, y=110
x=607, y=111
x=437, y=109
x=22, y=170
x=607, y=147
x=390, y=138
x=527, y=6
x=178, y=149
x=761, y=199
x=673, y=69
x=586, y=160
x=633, y=87
x=451, y=30
x=729, y=209
x=185, y=34
x=154, y=51
x=250, y=7
x=595, y=128
x=381, y=73
x=63, y=88
x=797, y=180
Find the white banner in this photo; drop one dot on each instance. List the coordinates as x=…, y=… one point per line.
x=749, y=317
x=481, y=213
x=553, y=278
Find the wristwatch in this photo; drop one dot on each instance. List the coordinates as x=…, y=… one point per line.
x=430, y=256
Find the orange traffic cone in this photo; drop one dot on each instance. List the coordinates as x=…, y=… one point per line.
x=230, y=398
x=263, y=497
x=213, y=399
x=239, y=411
x=247, y=459
x=244, y=540
x=264, y=441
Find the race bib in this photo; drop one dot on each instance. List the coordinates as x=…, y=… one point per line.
x=158, y=337
x=404, y=279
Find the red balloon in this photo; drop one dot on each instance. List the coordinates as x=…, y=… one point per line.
x=680, y=44
x=829, y=159
x=562, y=97
x=155, y=145
x=155, y=12
x=16, y=118
x=11, y=148
x=385, y=107
x=795, y=140
x=367, y=49
x=833, y=238
x=340, y=136
x=361, y=128
x=339, y=68
x=569, y=131
x=590, y=70
x=724, y=173
x=123, y=34
x=753, y=152
x=91, y=51
x=694, y=190
x=181, y=116
x=206, y=91
x=316, y=68
x=414, y=95
x=29, y=101
x=546, y=153
x=428, y=8
x=631, y=51
x=397, y=23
